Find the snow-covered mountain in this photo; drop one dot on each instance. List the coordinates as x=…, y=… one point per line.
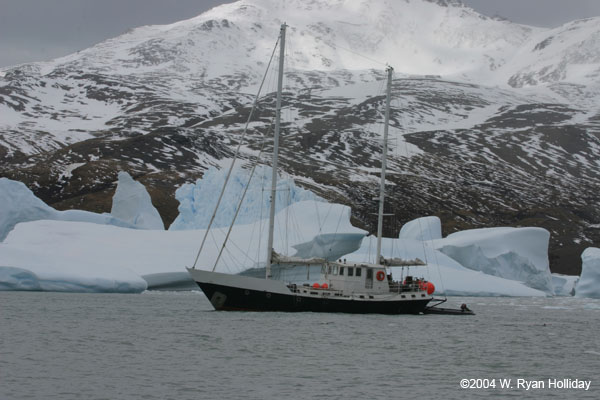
x=493, y=123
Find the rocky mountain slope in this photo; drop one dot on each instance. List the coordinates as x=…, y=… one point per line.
x=493, y=123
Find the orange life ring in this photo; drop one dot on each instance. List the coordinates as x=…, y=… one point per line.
x=380, y=275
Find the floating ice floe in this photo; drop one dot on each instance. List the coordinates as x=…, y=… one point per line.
x=589, y=282
x=132, y=204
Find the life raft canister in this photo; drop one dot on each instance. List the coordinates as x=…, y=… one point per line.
x=429, y=287
x=380, y=275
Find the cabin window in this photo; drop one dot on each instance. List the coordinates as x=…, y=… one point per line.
x=358, y=271
x=329, y=269
x=350, y=271
x=342, y=271
x=335, y=270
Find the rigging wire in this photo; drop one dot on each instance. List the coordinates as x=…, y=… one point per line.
x=296, y=228
x=407, y=154
x=287, y=218
x=369, y=251
x=232, y=255
x=336, y=47
x=212, y=235
x=260, y=219
x=260, y=224
x=371, y=130
x=318, y=217
x=241, y=201
x=227, y=238
x=237, y=151
x=379, y=132
x=322, y=222
x=438, y=266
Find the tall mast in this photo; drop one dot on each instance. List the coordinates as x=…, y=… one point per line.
x=275, y=150
x=389, y=70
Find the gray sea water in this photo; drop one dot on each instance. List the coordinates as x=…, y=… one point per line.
x=161, y=345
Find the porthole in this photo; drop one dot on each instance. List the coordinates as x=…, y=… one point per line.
x=268, y=295
x=246, y=292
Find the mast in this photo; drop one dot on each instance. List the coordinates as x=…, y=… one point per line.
x=275, y=150
x=388, y=95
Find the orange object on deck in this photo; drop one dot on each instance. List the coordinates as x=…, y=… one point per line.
x=430, y=287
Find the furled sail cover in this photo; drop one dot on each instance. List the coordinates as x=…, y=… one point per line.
x=399, y=262
x=277, y=258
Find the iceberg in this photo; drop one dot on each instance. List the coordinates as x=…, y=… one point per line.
x=23, y=279
x=329, y=246
x=564, y=285
x=45, y=249
x=81, y=256
x=132, y=204
x=19, y=204
x=44, y=260
x=18, y=279
x=589, y=282
x=519, y=254
x=447, y=274
x=424, y=228
x=197, y=201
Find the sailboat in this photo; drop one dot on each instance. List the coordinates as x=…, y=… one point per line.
x=343, y=287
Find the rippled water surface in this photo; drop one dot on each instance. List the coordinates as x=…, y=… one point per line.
x=161, y=345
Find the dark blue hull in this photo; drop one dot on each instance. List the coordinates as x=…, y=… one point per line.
x=225, y=298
